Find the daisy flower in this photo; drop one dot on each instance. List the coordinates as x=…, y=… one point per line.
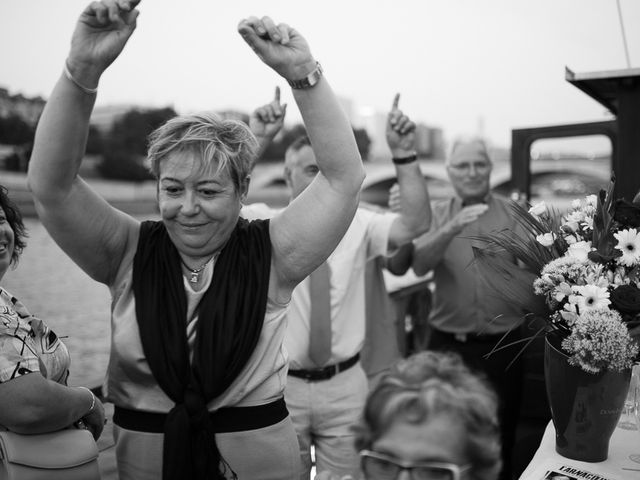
x=592, y=297
x=629, y=245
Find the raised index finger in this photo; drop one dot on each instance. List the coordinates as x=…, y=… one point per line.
x=277, y=96
x=396, y=101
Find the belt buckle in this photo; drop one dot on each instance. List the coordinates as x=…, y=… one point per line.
x=461, y=337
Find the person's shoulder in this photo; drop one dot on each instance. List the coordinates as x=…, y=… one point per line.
x=255, y=211
x=367, y=215
x=500, y=201
x=498, y=197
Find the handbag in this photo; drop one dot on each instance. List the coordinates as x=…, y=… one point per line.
x=63, y=455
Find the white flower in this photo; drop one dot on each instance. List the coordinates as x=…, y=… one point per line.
x=561, y=291
x=591, y=297
x=569, y=317
x=600, y=341
x=575, y=204
x=570, y=239
x=591, y=200
x=538, y=209
x=546, y=239
x=579, y=250
x=629, y=245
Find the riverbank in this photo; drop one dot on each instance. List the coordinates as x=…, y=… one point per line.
x=134, y=198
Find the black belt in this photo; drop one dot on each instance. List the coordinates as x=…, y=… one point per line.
x=473, y=337
x=325, y=373
x=224, y=420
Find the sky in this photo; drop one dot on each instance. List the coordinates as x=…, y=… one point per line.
x=466, y=66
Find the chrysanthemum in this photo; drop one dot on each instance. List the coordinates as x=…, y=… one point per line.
x=629, y=245
x=592, y=297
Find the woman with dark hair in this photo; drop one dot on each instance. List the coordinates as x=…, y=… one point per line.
x=34, y=363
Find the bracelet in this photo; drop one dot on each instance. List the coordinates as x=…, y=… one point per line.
x=93, y=401
x=405, y=160
x=87, y=90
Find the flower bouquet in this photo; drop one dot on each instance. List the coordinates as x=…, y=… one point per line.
x=577, y=276
x=585, y=265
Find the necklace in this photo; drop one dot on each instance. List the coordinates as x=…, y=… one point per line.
x=195, y=272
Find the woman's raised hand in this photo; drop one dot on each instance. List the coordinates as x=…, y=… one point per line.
x=100, y=35
x=279, y=46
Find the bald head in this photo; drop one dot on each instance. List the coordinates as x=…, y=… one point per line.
x=468, y=149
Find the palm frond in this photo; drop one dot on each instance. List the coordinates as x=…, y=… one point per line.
x=509, y=280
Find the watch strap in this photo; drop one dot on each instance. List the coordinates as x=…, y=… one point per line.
x=308, y=81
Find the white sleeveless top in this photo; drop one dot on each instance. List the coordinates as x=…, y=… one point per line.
x=130, y=383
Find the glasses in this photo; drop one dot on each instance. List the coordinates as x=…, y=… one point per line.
x=465, y=167
x=377, y=466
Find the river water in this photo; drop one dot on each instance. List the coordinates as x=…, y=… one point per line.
x=76, y=307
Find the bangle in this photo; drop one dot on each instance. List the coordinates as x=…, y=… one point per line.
x=87, y=90
x=405, y=160
x=93, y=401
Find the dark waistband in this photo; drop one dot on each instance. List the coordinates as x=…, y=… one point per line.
x=224, y=420
x=325, y=373
x=473, y=337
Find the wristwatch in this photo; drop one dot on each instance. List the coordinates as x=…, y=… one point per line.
x=308, y=81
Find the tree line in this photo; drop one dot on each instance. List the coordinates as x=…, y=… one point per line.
x=122, y=148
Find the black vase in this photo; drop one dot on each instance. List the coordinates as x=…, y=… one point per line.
x=585, y=407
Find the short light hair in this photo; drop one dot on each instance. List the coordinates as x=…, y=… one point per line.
x=426, y=385
x=481, y=147
x=229, y=144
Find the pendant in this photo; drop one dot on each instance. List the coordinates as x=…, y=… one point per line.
x=194, y=277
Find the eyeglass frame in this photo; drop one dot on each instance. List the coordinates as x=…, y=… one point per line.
x=456, y=470
x=480, y=167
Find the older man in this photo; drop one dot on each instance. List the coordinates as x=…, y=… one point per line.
x=466, y=315
x=326, y=386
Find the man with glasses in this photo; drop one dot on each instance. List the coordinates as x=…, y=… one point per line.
x=467, y=316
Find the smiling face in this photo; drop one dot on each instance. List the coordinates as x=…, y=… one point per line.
x=440, y=438
x=7, y=239
x=199, y=206
x=469, y=170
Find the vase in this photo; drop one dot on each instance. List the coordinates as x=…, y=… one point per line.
x=585, y=407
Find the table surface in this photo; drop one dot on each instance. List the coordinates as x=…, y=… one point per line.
x=623, y=462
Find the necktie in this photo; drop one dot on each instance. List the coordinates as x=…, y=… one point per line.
x=320, y=318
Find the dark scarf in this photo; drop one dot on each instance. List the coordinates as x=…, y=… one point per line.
x=231, y=315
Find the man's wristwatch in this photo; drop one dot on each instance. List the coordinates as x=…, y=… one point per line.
x=308, y=81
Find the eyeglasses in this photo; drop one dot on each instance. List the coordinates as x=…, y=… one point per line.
x=465, y=167
x=377, y=466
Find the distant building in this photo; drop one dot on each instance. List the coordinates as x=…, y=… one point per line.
x=28, y=109
x=429, y=141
